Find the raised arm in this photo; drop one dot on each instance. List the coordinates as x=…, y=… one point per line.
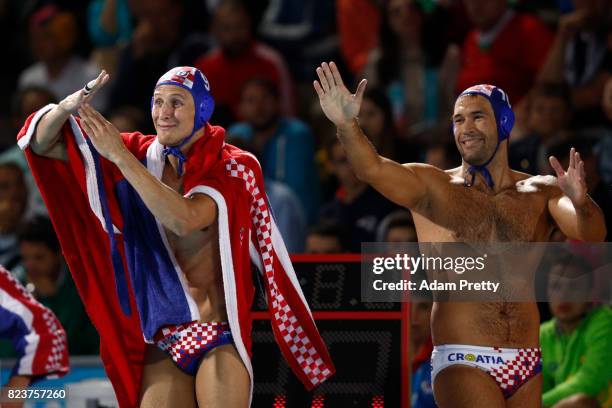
x=179, y=214
x=401, y=184
x=573, y=210
x=47, y=138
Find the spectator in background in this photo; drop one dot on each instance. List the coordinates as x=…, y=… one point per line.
x=581, y=56
x=46, y=276
x=304, y=32
x=549, y=113
x=421, y=391
x=13, y=206
x=405, y=65
x=128, y=118
x=110, y=27
x=109, y=22
x=26, y=101
x=285, y=145
x=287, y=209
x=325, y=237
x=376, y=120
x=599, y=191
x=240, y=57
x=52, y=39
x=604, y=147
x=398, y=227
x=504, y=48
x=576, y=343
x=358, y=27
x=442, y=152
x=357, y=207
x=164, y=36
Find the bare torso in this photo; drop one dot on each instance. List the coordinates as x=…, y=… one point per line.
x=198, y=256
x=455, y=213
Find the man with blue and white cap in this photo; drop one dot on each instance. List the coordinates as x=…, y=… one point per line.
x=482, y=200
x=160, y=232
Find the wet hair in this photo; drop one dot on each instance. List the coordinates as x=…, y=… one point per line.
x=39, y=230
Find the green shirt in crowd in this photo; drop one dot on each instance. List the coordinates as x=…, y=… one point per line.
x=579, y=362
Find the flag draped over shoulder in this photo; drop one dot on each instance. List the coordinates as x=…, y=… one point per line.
x=126, y=272
x=37, y=335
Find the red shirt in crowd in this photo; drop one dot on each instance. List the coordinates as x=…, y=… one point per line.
x=513, y=59
x=227, y=75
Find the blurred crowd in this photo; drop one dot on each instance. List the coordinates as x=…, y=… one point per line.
x=552, y=57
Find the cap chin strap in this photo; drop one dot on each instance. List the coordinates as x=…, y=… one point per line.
x=176, y=152
x=482, y=168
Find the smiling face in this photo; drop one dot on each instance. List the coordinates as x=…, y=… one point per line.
x=173, y=114
x=475, y=129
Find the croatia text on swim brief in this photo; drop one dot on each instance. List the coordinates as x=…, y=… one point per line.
x=487, y=272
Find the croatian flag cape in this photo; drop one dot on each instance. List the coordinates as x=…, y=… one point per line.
x=126, y=272
x=37, y=336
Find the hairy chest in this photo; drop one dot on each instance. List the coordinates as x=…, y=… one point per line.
x=468, y=214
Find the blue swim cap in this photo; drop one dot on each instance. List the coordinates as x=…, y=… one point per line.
x=193, y=80
x=504, y=117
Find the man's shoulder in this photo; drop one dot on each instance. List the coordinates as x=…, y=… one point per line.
x=538, y=181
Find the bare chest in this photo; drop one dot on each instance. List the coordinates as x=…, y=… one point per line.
x=467, y=214
x=193, y=249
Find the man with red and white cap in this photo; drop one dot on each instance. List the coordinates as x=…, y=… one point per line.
x=476, y=345
x=37, y=335
x=159, y=232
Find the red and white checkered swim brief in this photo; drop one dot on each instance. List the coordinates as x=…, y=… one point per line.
x=510, y=368
x=187, y=344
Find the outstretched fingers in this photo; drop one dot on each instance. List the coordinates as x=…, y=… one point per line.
x=360, y=90
x=556, y=166
x=317, y=87
x=336, y=73
x=323, y=79
x=93, y=86
x=572, y=158
x=328, y=75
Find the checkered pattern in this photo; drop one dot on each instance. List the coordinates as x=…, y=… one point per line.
x=518, y=371
x=292, y=333
x=56, y=358
x=59, y=343
x=188, y=343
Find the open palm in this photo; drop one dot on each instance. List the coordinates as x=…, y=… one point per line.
x=571, y=182
x=338, y=104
